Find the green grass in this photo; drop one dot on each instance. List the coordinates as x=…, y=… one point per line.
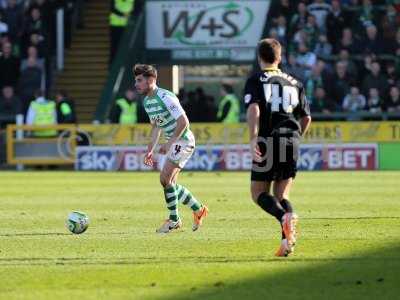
x=349, y=246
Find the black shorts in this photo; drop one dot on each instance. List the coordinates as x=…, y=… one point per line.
x=279, y=164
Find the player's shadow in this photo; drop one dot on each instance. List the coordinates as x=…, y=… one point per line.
x=364, y=275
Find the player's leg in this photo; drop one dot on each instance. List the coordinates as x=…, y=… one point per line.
x=168, y=177
x=270, y=204
x=281, y=189
x=260, y=192
x=180, y=154
x=289, y=220
x=200, y=211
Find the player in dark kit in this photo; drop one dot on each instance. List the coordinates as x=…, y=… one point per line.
x=278, y=115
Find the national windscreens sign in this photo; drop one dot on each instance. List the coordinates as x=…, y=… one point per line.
x=218, y=26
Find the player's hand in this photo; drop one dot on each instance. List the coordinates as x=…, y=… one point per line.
x=256, y=152
x=148, y=159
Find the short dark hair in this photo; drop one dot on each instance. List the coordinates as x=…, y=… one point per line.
x=62, y=93
x=227, y=88
x=145, y=70
x=269, y=50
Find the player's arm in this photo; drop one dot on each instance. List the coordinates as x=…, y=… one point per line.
x=253, y=119
x=305, y=123
x=251, y=101
x=303, y=111
x=155, y=137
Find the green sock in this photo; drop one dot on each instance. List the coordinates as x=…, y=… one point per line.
x=172, y=202
x=186, y=197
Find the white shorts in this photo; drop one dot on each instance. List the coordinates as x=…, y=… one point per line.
x=181, y=151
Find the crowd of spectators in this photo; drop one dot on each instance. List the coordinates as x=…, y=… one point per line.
x=198, y=106
x=27, y=45
x=346, y=52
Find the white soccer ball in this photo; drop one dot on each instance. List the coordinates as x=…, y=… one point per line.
x=77, y=222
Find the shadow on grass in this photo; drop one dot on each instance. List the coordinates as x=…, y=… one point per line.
x=201, y=261
x=33, y=234
x=366, y=275
x=39, y=234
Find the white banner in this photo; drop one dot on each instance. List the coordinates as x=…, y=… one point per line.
x=205, y=24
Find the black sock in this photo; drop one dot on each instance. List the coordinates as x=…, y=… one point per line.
x=287, y=206
x=271, y=205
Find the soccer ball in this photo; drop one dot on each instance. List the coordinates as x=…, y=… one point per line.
x=77, y=222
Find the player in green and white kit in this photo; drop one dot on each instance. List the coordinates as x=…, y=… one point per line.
x=167, y=116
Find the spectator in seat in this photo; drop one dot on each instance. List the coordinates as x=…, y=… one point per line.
x=392, y=74
x=367, y=13
x=354, y=101
x=347, y=42
x=341, y=83
x=351, y=67
x=38, y=41
x=375, y=80
x=393, y=102
x=335, y=22
x=292, y=68
x=305, y=59
x=372, y=43
x=10, y=104
x=30, y=81
x=280, y=30
x=9, y=66
x=3, y=25
x=326, y=71
x=323, y=49
x=389, y=25
x=321, y=102
x=300, y=37
x=374, y=102
x=15, y=48
x=312, y=32
x=44, y=7
x=35, y=23
x=65, y=108
x=32, y=53
x=313, y=82
x=319, y=9
x=365, y=67
x=299, y=19
x=13, y=16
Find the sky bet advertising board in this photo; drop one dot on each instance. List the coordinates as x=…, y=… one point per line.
x=229, y=158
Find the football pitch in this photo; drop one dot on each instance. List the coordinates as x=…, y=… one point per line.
x=349, y=244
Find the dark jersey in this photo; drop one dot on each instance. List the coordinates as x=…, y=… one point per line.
x=281, y=99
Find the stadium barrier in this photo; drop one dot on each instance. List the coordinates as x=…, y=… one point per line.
x=381, y=139
x=312, y=157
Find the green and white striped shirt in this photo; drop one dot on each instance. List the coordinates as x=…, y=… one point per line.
x=163, y=109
